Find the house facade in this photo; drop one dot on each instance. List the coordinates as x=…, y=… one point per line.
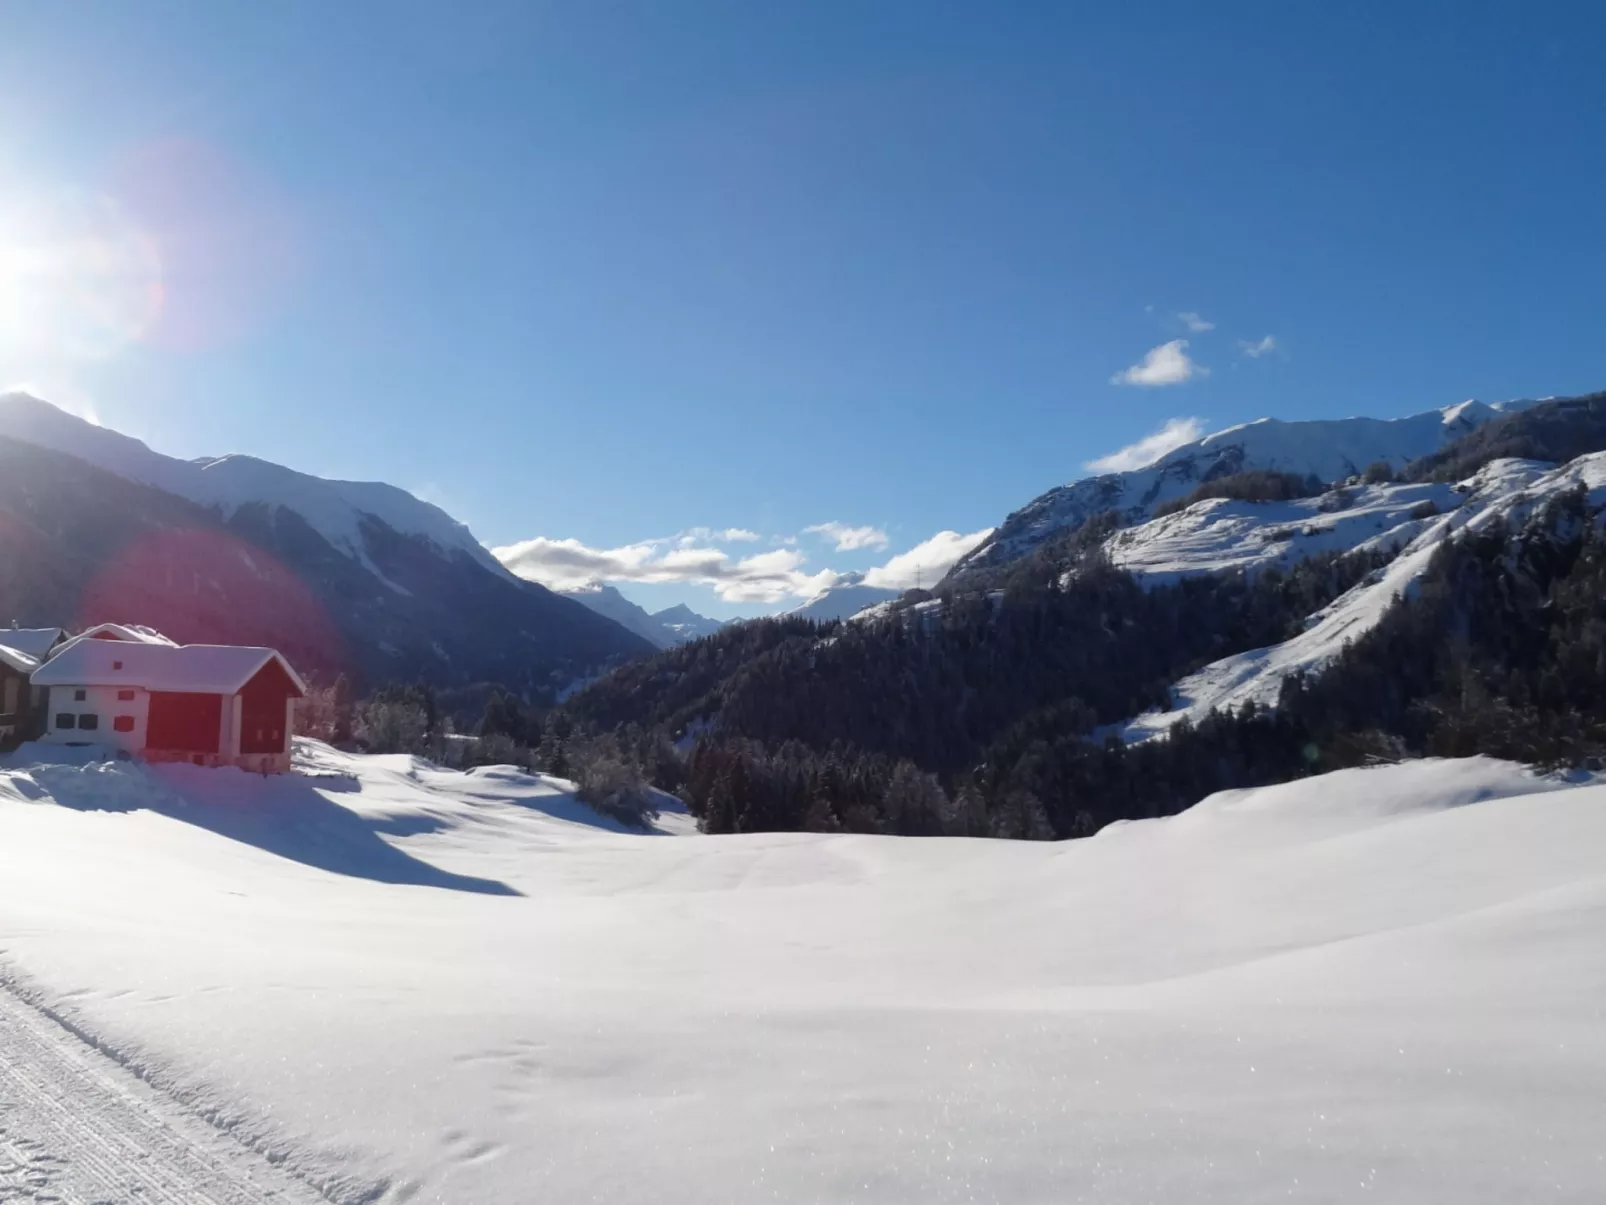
x=212, y=705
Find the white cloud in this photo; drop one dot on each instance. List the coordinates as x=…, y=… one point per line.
x=848, y=539
x=714, y=535
x=1173, y=433
x=1167, y=364
x=927, y=562
x=765, y=577
x=1194, y=322
x=1258, y=347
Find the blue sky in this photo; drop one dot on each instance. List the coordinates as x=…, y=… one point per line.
x=605, y=274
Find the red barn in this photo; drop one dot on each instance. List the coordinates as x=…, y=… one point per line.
x=211, y=704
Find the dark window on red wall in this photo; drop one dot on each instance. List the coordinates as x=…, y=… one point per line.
x=123, y=723
x=66, y=719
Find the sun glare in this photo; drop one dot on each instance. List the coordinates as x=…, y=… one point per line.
x=78, y=278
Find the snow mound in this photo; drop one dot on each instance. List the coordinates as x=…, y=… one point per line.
x=1285, y=993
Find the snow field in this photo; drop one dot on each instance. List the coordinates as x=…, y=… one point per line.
x=1381, y=984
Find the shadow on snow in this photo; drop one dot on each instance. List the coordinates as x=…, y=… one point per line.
x=282, y=814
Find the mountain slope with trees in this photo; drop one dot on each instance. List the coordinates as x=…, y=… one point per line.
x=992, y=710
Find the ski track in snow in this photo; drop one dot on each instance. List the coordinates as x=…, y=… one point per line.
x=77, y=1128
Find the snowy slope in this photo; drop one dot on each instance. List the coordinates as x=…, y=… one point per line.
x=335, y=509
x=1329, y=449
x=1222, y=534
x=1509, y=490
x=405, y=985
x=848, y=597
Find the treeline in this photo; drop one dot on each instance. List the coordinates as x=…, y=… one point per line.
x=1252, y=485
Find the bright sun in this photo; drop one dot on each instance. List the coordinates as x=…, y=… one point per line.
x=78, y=278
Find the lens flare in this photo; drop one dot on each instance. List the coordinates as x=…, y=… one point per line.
x=79, y=279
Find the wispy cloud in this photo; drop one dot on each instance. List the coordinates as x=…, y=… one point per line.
x=927, y=562
x=1173, y=433
x=848, y=539
x=1255, y=348
x=1167, y=364
x=1194, y=322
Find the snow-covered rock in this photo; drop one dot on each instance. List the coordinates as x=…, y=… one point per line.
x=684, y=624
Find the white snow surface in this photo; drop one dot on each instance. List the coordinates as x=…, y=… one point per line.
x=1222, y=534
x=1211, y=535
x=335, y=509
x=407, y=984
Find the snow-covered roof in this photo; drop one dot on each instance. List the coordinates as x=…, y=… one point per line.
x=198, y=668
x=18, y=660
x=137, y=632
x=35, y=642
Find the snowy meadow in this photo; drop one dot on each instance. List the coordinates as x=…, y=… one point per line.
x=401, y=983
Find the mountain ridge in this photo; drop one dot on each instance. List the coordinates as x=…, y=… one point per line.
x=1329, y=449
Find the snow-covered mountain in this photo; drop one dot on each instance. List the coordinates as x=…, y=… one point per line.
x=666, y=628
x=354, y=578
x=336, y=510
x=848, y=597
x=685, y=624
x=1329, y=449
x=1508, y=491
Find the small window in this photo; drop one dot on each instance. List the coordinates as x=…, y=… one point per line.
x=117, y=665
x=125, y=696
x=89, y=720
x=66, y=719
x=123, y=723
x=78, y=696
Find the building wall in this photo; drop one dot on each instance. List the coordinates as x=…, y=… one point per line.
x=101, y=701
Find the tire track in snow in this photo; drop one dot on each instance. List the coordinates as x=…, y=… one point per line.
x=76, y=1128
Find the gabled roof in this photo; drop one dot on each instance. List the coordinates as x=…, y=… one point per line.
x=213, y=669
